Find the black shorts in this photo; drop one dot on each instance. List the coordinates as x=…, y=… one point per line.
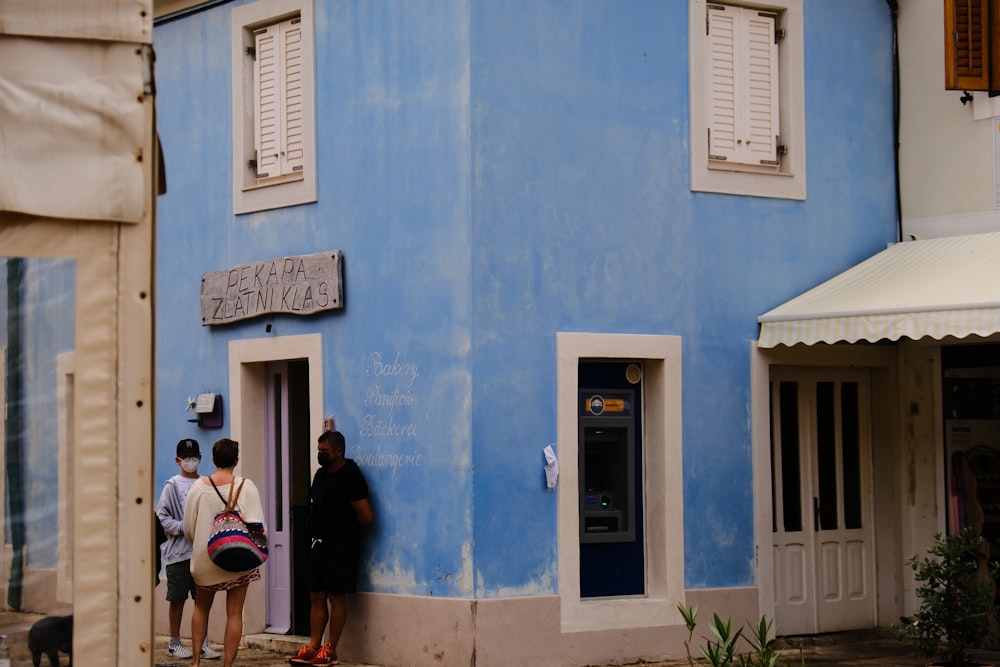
x=180, y=583
x=333, y=565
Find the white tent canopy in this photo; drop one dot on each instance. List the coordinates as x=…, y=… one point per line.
x=917, y=289
x=106, y=20
x=72, y=107
x=77, y=186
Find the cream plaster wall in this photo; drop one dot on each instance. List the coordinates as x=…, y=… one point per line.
x=946, y=148
x=922, y=449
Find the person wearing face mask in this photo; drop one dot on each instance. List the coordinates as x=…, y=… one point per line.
x=338, y=510
x=177, y=550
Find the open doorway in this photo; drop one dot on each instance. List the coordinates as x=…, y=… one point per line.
x=277, y=415
x=287, y=479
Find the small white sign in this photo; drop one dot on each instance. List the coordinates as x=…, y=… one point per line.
x=205, y=404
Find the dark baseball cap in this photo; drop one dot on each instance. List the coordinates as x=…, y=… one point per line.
x=187, y=448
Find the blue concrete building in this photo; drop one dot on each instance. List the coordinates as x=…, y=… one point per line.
x=519, y=225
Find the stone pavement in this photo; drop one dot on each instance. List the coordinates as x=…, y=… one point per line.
x=861, y=648
x=857, y=648
x=256, y=651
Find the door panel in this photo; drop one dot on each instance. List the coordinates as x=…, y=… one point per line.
x=279, y=594
x=823, y=525
x=791, y=577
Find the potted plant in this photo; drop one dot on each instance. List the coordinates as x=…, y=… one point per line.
x=955, y=588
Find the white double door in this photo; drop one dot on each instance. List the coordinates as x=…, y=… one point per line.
x=824, y=548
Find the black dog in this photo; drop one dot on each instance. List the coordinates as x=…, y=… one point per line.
x=50, y=635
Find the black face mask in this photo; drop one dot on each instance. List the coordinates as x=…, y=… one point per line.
x=323, y=458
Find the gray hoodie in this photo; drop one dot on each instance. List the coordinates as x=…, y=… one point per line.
x=170, y=510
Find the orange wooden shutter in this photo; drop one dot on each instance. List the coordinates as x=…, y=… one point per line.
x=967, y=44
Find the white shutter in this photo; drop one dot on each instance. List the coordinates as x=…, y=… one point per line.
x=278, y=135
x=722, y=91
x=742, y=86
x=292, y=118
x=267, y=91
x=759, y=115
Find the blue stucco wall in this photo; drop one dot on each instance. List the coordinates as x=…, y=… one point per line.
x=392, y=110
x=584, y=221
x=496, y=172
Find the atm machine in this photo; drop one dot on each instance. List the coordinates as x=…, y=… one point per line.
x=607, y=467
x=610, y=474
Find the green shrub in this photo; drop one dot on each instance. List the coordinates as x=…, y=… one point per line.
x=956, y=610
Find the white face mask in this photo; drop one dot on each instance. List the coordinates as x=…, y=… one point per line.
x=190, y=464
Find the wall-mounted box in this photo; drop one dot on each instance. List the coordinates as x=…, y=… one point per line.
x=208, y=411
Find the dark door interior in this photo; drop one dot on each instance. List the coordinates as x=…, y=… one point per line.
x=300, y=478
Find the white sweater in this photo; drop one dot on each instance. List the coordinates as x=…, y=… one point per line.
x=202, y=505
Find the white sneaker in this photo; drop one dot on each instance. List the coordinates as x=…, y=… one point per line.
x=209, y=653
x=179, y=651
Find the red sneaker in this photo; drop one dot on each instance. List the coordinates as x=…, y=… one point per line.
x=325, y=657
x=305, y=654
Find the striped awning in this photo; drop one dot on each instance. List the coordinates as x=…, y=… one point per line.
x=916, y=289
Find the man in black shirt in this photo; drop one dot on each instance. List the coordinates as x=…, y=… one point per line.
x=338, y=510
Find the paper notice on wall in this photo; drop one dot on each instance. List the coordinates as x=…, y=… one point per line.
x=551, y=467
x=205, y=404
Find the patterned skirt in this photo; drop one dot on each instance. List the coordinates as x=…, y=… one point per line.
x=252, y=575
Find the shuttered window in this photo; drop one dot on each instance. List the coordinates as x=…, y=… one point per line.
x=972, y=44
x=745, y=64
x=273, y=104
x=743, y=85
x=277, y=77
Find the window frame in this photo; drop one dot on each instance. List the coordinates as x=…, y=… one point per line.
x=663, y=516
x=787, y=180
x=250, y=193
